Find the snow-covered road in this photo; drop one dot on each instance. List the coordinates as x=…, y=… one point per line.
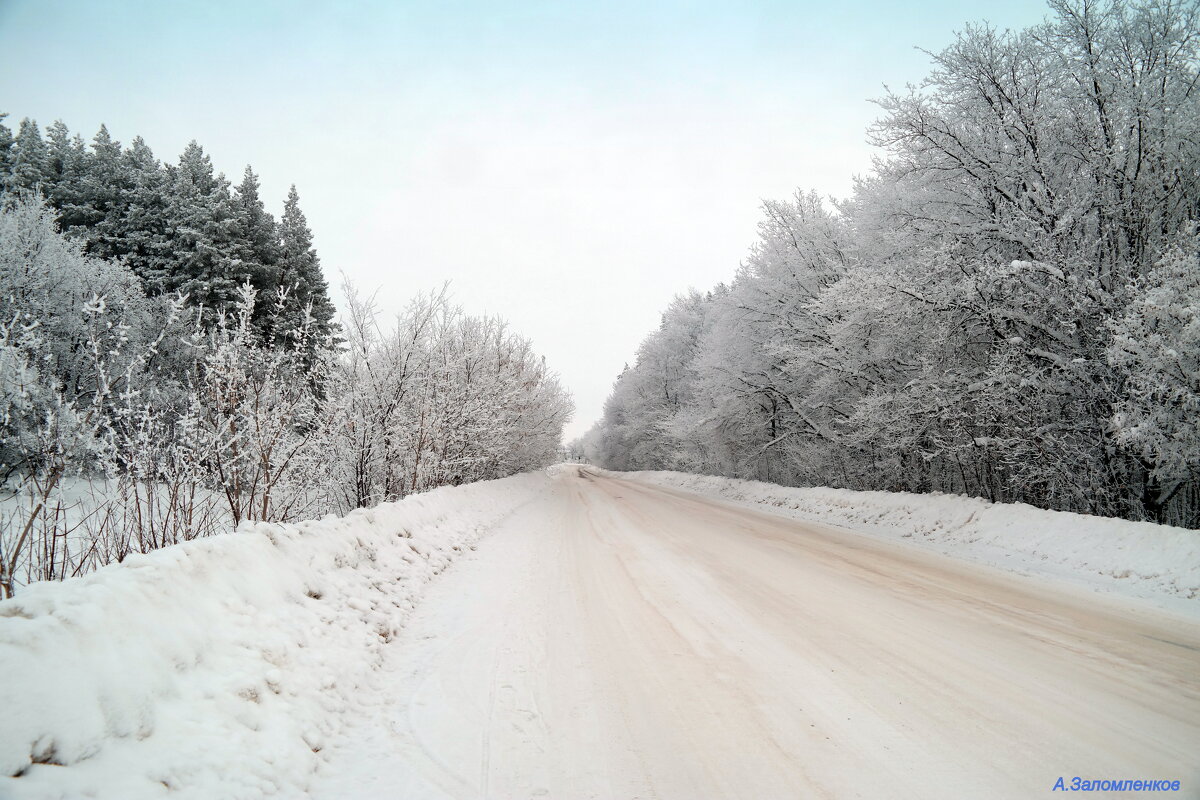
x=623, y=640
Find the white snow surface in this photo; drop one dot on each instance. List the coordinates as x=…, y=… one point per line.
x=1159, y=563
x=221, y=667
x=619, y=640
x=612, y=637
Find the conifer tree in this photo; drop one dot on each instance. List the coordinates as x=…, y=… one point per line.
x=6, y=143
x=300, y=270
x=144, y=228
x=206, y=258
x=66, y=167
x=260, y=236
x=180, y=228
x=28, y=157
x=103, y=189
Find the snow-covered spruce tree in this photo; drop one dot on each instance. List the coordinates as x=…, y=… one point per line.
x=299, y=272
x=179, y=227
x=140, y=230
x=67, y=164
x=26, y=162
x=6, y=143
x=207, y=259
x=102, y=190
x=260, y=233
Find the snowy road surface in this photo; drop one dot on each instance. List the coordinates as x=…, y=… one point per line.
x=621, y=640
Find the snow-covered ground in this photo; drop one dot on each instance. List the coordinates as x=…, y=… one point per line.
x=608, y=637
x=620, y=640
x=1136, y=559
x=221, y=667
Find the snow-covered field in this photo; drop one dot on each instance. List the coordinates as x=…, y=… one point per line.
x=612, y=638
x=1136, y=559
x=220, y=667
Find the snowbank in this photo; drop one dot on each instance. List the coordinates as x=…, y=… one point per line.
x=221, y=667
x=1137, y=559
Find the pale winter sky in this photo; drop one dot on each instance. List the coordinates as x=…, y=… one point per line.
x=568, y=166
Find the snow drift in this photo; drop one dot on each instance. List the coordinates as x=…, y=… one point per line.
x=1137, y=559
x=224, y=662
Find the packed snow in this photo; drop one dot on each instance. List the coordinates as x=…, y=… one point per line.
x=1160, y=563
x=620, y=640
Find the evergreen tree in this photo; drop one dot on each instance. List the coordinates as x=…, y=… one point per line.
x=300, y=272
x=206, y=255
x=6, y=144
x=144, y=228
x=260, y=236
x=28, y=157
x=66, y=166
x=103, y=190
x=180, y=228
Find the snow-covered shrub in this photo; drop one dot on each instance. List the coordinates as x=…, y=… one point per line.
x=256, y=419
x=441, y=398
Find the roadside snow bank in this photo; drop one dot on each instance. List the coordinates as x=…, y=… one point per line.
x=221, y=667
x=1138, y=559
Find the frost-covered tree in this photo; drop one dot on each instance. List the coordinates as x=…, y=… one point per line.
x=181, y=228
x=6, y=143
x=987, y=313
x=1156, y=348
x=208, y=262
x=67, y=165
x=46, y=282
x=167, y=346
x=438, y=398
x=26, y=167
x=133, y=395
x=67, y=321
x=104, y=186
x=644, y=421
x=141, y=233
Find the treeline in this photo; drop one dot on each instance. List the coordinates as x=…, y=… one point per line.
x=170, y=367
x=180, y=228
x=1007, y=307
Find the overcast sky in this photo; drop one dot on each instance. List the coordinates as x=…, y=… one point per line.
x=568, y=166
